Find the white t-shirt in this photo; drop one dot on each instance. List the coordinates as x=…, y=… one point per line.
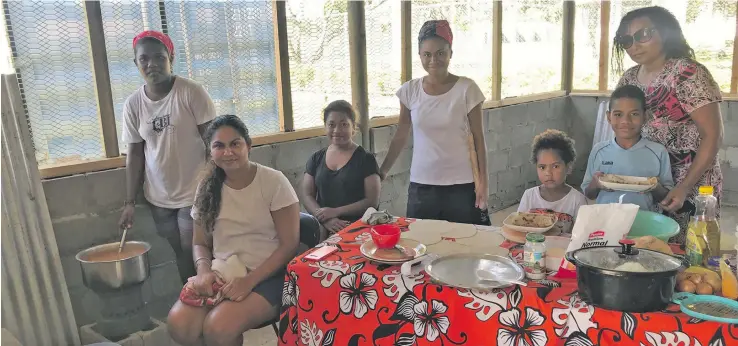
x=440, y=150
x=566, y=208
x=244, y=226
x=173, y=148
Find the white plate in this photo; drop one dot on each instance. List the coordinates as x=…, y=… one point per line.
x=626, y=187
x=509, y=223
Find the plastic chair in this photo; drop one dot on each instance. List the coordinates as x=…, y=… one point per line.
x=310, y=236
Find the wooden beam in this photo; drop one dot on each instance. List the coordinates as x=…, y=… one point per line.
x=406, y=41
x=101, y=75
x=357, y=50
x=523, y=99
x=734, y=76
x=567, y=46
x=496, y=50
x=604, y=73
x=55, y=171
x=282, y=62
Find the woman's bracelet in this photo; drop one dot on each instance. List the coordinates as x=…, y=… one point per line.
x=197, y=262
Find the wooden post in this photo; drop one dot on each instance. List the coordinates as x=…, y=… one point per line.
x=604, y=45
x=734, y=76
x=101, y=74
x=496, y=50
x=406, y=53
x=357, y=49
x=282, y=62
x=567, y=60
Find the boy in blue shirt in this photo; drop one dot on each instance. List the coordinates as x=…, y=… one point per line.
x=628, y=154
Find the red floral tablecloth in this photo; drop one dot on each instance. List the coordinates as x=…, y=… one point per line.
x=349, y=300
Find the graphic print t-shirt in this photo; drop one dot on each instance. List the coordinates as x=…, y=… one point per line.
x=173, y=148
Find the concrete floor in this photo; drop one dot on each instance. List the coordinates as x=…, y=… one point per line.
x=266, y=337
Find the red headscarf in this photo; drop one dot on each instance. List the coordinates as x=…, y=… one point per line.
x=164, y=39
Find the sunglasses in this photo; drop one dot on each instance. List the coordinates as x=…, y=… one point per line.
x=641, y=36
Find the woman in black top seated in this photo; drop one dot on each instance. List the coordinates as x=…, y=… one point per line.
x=342, y=180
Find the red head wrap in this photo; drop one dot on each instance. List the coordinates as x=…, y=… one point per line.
x=439, y=28
x=164, y=39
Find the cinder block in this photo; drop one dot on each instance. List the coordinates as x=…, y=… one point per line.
x=730, y=178
x=165, y=280
x=497, y=161
x=403, y=162
x=399, y=206
x=523, y=135
x=81, y=233
x=539, y=110
x=68, y=196
x=494, y=119
x=108, y=189
x=508, y=179
x=157, y=336
x=265, y=155
x=85, y=305
x=558, y=109
x=515, y=115
x=730, y=198
x=730, y=134
x=520, y=155
x=294, y=154
x=381, y=138
x=388, y=191
x=490, y=141
x=731, y=156
x=492, y=183
x=72, y=271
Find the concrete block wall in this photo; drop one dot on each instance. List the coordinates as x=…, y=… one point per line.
x=85, y=208
x=509, y=135
x=584, y=116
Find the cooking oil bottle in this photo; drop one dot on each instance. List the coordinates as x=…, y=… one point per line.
x=703, y=234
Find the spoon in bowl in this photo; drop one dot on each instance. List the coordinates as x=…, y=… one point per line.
x=122, y=240
x=487, y=276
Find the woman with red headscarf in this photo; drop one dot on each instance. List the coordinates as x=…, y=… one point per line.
x=163, y=123
x=442, y=108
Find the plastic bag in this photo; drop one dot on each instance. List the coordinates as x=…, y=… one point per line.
x=598, y=225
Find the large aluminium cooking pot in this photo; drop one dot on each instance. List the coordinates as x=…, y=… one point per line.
x=623, y=278
x=104, y=270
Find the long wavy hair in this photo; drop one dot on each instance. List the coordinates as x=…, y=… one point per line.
x=209, y=192
x=674, y=43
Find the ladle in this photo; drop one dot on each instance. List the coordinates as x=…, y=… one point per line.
x=487, y=276
x=122, y=240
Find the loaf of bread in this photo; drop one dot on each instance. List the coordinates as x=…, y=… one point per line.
x=650, y=242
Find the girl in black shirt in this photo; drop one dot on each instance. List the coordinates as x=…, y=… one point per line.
x=342, y=180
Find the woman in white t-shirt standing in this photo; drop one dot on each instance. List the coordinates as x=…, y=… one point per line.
x=163, y=123
x=243, y=211
x=441, y=108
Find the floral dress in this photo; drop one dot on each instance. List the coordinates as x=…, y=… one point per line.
x=683, y=86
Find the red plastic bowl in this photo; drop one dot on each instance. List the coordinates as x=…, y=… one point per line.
x=385, y=236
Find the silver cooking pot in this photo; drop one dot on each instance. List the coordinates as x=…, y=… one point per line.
x=114, y=274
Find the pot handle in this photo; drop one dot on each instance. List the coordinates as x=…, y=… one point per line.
x=570, y=257
x=681, y=297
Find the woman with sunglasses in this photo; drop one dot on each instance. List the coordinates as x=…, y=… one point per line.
x=682, y=99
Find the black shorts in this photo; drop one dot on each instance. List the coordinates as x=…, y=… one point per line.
x=271, y=289
x=452, y=203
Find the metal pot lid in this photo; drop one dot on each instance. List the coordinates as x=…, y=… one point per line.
x=626, y=258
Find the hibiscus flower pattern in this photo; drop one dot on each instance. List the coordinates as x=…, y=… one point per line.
x=359, y=298
x=290, y=291
x=398, y=284
x=670, y=339
x=575, y=316
x=513, y=333
x=486, y=304
x=430, y=323
x=329, y=271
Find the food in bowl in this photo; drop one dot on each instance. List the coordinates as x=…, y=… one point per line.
x=626, y=180
x=112, y=255
x=533, y=220
x=650, y=242
x=699, y=281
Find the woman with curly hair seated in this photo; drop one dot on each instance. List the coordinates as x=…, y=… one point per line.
x=246, y=230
